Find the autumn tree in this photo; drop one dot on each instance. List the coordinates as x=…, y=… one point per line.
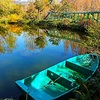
x=41, y=5
x=85, y=5
x=7, y=6
x=66, y=6
x=94, y=5
x=31, y=12
x=10, y=11
x=54, y=7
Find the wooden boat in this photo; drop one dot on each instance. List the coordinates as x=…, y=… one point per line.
x=60, y=79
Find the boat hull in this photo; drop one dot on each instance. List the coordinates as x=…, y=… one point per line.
x=59, y=80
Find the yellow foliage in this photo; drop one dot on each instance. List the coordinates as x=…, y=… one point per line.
x=90, y=16
x=95, y=16
x=14, y=17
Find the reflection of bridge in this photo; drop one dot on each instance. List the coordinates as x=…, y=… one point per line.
x=67, y=36
x=74, y=15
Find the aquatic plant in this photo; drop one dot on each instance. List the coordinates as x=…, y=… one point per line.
x=83, y=93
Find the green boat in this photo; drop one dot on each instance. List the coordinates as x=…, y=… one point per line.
x=57, y=81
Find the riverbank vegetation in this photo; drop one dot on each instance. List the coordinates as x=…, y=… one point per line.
x=36, y=10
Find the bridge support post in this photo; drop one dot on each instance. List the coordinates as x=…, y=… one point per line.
x=66, y=15
x=98, y=14
x=74, y=16
x=92, y=16
x=78, y=17
x=87, y=15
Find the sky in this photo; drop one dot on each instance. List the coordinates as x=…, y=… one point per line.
x=27, y=0
x=22, y=0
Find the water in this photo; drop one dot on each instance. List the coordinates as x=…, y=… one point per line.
x=25, y=51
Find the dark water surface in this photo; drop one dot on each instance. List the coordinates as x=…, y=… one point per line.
x=25, y=51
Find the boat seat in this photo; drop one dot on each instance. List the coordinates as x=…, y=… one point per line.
x=77, y=68
x=61, y=80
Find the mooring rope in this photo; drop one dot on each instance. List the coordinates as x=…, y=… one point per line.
x=28, y=91
x=52, y=81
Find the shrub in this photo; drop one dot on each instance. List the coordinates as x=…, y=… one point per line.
x=48, y=23
x=13, y=18
x=84, y=24
x=65, y=21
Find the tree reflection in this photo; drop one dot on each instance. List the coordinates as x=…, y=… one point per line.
x=8, y=37
x=71, y=40
x=40, y=42
x=11, y=42
x=29, y=41
x=3, y=31
x=75, y=47
x=54, y=41
x=15, y=29
x=2, y=49
x=35, y=40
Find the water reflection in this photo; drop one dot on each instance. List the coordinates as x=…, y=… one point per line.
x=35, y=38
x=26, y=50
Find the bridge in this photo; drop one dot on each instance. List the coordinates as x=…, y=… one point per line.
x=75, y=16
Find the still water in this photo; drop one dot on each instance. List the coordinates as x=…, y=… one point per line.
x=25, y=51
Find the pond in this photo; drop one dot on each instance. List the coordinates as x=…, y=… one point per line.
x=25, y=51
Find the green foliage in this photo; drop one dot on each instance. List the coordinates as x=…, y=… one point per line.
x=1, y=11
x=89, y=89
x=40, y=41
x=2, y=30
x=65, y=21
x=84, y=24
x=83, y=93
x=93, y=38
x=31, y=13
x=39, y=5
x=54, y=7
x=8, y=6
x=49, y=23
x=66, y=6
x=13, y=18
x=94, y=86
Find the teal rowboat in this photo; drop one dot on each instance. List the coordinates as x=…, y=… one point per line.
x=60, y=79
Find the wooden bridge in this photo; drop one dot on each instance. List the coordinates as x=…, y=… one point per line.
x=75, y=16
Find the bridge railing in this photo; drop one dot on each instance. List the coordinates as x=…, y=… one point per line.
x=76, y=16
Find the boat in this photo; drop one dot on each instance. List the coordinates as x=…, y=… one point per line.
x=60, y=79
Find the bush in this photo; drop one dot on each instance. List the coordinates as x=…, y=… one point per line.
x=14, y=18
x=94, y=87
x=65, y=21
x=93, y=38
x=84, y=24
x=48, y=23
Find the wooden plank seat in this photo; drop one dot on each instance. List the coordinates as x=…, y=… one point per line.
x=59, y=79
x=80, y=69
